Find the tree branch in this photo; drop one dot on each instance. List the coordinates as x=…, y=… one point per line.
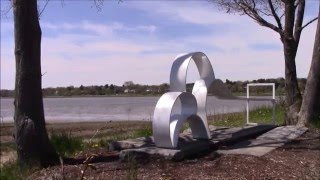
x=254, y=4
x=43, y=8
x=98, y=4
x=311, y=21
x=5, y=12
x=299, y=21
x=296, y=4
x=275, y=15
x=252, y=13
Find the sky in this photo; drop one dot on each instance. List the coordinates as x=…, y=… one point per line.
x=138, y=41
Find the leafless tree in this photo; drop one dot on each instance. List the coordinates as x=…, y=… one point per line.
x=286, y=18
x=31, y=136
x=33, y=145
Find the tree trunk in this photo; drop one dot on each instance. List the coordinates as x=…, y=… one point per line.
x=31, y=135
x=290, y=47
x=310, y=109
x=293, y=95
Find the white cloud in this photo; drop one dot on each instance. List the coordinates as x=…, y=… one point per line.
x=98, y=28
x=196, y=12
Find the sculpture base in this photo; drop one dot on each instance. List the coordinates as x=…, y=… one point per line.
x=187, y=146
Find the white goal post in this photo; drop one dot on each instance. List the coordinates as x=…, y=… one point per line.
x=273, y=100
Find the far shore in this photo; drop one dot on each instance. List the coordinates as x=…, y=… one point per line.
x=89, y=96
x=133, y=95
x=75, y=122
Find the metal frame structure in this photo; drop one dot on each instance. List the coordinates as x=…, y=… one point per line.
x=273, y=100
x=166, y=125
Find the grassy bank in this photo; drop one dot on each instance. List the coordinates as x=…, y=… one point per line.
x=102, y=133
x=70, y=139
x=262, y=115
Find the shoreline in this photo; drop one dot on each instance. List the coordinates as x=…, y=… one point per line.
x=139, y=95
x=89, y=96
x=51, y=122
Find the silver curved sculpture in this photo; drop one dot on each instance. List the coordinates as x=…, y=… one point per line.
x=166, y=124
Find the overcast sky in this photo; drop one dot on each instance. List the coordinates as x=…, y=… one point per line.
x=138, y=41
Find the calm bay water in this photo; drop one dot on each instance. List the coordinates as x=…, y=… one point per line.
x=78, y=109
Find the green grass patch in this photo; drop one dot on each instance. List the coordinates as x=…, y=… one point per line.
x=132, y=165
x=66, y=144
x=261, y=115
x=13, y=171
x=7, y=146
x=104, y=141
x=316, y=123
x=228, y=120
x=144, y=132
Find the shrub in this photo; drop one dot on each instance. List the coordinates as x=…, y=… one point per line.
x=65, y=144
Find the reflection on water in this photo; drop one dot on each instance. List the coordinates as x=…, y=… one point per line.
x=115, y=108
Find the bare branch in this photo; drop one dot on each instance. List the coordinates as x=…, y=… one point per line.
x=98, y=4
x=311, y=21
x=297, y=2
x=275, y=15
x=5, y=12
x=299, y=21
x=43, y=8
x=254, y=15
x=254, y=4
x=255, y=9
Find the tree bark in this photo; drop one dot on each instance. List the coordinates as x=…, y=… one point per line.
x=310, y=109
x=293, y=95
x=31, y=135
x=290, y=46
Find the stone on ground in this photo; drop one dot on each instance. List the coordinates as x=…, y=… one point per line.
x=266, y=142
x=187, y=146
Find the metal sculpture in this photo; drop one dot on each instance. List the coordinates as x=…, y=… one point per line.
x=166, y=125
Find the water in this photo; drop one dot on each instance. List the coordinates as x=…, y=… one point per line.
x=115, y=108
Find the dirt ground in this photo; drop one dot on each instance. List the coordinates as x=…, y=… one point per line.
x=299, y=159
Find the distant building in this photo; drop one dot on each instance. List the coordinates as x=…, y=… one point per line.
x=129, y=91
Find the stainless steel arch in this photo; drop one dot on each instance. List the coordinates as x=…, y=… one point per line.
x=166, y=126
x=166, y=130
x=179, y=69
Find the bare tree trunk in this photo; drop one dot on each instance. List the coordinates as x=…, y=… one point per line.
x=290, y=46
x=293, y=95
x=310, y=109
x=31, y=135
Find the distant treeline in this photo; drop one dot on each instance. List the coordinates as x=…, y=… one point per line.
x=240, y=87
x=130, y=88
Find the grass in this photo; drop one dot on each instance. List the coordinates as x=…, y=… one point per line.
x=66, y=144
x=103, y=141
x=227, y=120
x=12, y=171
x=145, y=132
x=7, y=146
x=132, y=173
x=316, y=123
x=262, y=115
